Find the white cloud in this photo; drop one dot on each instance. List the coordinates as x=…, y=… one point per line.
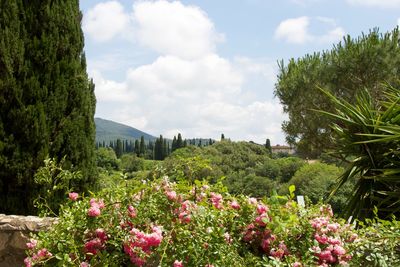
x=297, y=30
x=171, y=28
x=188, y=88
x=105, y=21
x=294, y=30
x=376, y=3
x=111, y=91
x=199, y=98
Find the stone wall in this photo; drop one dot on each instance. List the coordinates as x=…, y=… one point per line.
x=14, y=234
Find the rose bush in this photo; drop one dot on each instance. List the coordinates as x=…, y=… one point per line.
x=161, y=223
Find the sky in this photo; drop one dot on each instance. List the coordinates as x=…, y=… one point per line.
x=203, y=68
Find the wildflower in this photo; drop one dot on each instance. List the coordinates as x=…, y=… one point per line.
x=84, y=264
x=73, y=196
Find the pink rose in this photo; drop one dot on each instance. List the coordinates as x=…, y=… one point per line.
x=261, y=209
x=171, y=195
x=93, y=211
x=131, y=211
x=235, y=205
x=339, y=250
x=178, y=263
x=73, y=196
x=31, y=244
x=297, y=264
x=44, y=253
x=28, y=262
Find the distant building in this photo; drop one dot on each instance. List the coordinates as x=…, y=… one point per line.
x=283, y=149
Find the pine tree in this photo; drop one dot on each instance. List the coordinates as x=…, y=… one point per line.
x=222, y=137
x=47, y=102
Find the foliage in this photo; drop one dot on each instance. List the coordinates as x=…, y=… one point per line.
x=316, y=180
x=368, y=132
x=131, y=163
x=380, y=245
x=47, y=102
x=246, y=167
x=53, y=182
x=351, y=65
x=106, y=158
x=166, y=224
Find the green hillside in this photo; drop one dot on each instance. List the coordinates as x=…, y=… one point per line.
x=107, y=130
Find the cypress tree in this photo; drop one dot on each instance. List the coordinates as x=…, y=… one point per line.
x=179, y=142
x=142, y=150
x=268, y=146
x=119, y=148
x=137, y=147
x=47, y=102
x=173, y=147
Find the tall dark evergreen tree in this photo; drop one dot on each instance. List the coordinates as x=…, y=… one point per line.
x=47, y=102
x=137, y=147
x=179, y=142
x=268, y=146
x=119, y=148
x=173, y=147
x=142, y=148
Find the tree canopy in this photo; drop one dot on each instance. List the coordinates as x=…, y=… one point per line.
x=368, y=61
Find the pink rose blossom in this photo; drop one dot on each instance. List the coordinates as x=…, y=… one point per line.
x=333, y=227
x=31, y=244
x=261, y=209
x=339, y=250
x=101, y=234
x=94, y=212
x=73, y=196
x=322, y=239
x=131, y=211
x=93, y=246
x=297, y=264
x=28, y=262
x=171, y=195
x=252, y=200
x=235, y=205
x=178, y=263
x=97, y=203
x=84, y=264
x=44, y=253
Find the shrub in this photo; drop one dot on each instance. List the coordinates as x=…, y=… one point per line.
x=167, y=224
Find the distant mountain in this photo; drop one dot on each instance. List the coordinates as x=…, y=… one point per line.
x=107, y=130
